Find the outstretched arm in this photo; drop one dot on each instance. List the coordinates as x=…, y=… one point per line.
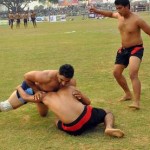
x=144, y=26
x=104, y=13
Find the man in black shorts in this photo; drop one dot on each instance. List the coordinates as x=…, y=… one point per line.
x=124, y=54
x=25, y=19
x=18, y=17
x=11, y=19
x=33, y=18
x=75, y=115
x=130, y=26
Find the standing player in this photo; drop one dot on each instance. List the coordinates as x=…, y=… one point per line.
x=25, y=19
x=131, y=51
x=33, y=18
x=11, y=19
x=18, y=17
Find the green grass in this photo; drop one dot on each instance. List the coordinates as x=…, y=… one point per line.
x=91, y=49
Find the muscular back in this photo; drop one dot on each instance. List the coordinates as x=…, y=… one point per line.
x=64, y=104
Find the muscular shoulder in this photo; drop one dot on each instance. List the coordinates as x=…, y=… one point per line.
x=139, y=20
x=49, y=74
x=40, y=76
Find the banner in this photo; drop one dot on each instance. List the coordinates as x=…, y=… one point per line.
x=57, y=18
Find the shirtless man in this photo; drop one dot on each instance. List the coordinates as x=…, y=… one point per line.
x=25, y=19
x=75, y=115
x=33, y=18
x=131, y=51
x=18, y=17
x=38, y=83
x=11, y=19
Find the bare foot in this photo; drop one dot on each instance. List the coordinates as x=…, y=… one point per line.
x=125, y=98
x=135, y=106
x=114, y=132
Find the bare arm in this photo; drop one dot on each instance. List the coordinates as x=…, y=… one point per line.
x=24, y=95
x=144, y=26
x=34, y=77
x=27, y=97
x=104, y=13
x=81, y=97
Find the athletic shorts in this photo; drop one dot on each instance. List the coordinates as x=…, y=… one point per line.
x=11, y=21
x=27, y=89
x=89, y=118
x=25, y=20
x=18, y=20
x=33, y=19
x=123, y=54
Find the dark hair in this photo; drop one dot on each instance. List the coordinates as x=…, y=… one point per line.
x=122, y=2
x=66, y=70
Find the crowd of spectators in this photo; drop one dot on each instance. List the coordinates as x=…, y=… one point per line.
x=76, y=10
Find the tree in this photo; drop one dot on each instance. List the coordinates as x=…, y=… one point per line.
x=15, y=5
x=42, y=1
x=53, y=1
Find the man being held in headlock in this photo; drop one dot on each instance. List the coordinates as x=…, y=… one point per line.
x=74, y=112
x=37, y=83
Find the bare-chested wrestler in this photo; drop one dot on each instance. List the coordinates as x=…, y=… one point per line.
x=25, y=19
x=38, y=83
x=33, y=18
x=18, y=18
x=131, y=50
x=11, y=19
x=75, y=115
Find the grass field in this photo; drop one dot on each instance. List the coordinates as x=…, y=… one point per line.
x=90, y=46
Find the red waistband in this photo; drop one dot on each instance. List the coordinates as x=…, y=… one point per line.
x=136, y=49
x=132, y=49
x=83, y=120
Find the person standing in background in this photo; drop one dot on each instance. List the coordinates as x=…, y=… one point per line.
x=33, y=18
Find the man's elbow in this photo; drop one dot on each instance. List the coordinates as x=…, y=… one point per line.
x=25, y=76
x=89, y=102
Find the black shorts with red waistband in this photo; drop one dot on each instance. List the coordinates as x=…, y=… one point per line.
x=123, y=54
x=89, y=118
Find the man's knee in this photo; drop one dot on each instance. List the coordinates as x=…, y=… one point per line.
x=108, y=112
x=133, y=75
x=5, y=106
x=42, y=109
x=116, y=74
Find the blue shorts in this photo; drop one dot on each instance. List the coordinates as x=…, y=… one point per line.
x=89, y=118
x=123, y=54
x=27, y=89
